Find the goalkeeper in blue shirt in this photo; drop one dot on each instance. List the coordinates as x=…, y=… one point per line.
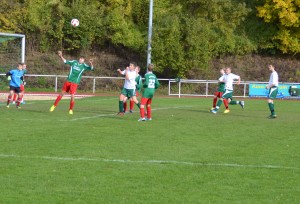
x=16, y=78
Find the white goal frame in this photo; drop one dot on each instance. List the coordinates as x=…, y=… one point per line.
x=22, y=36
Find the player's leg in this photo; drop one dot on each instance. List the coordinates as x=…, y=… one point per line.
x=10, y=95
x=122, y=99
x=20, y=96
x=241, y=103
x=215, y=99
x=73, y=89
x=142, y=109
x=14, y=98
x=132, y=102
x=271, y=96
x=22, y=88
x=65, y=89
x=125, y=106
x=149, y=110
x=131, y=105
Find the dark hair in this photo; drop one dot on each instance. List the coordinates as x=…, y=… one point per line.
x=134, y=64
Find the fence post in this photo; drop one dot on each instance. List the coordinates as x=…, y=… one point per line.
x=55, y=84
x=206, y=91
x=94, y=85
x=179, y=89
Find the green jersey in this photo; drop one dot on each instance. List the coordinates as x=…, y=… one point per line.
x=76, y=70
x=221, y=86
x=139, y=83
x=150, y=85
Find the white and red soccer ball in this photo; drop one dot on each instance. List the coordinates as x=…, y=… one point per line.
x=75, y=22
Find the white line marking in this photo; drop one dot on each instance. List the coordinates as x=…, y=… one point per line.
x=112, y=114
x=148, y=162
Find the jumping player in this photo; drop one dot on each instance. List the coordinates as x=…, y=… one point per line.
x=74, y=78
x=150, y=85
x=129, y=87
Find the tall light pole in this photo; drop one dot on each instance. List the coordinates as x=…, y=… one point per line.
x=150, y=33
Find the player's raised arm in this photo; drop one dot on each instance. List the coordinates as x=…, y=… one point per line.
x=61, y=56
x=91, y=63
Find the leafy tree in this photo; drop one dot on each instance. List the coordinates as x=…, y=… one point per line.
x=284, y=14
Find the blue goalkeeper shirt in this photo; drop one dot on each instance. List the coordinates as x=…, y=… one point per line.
x=16, y=77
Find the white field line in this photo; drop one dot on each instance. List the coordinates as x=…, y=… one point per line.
x=112, y=114
x=186, y=163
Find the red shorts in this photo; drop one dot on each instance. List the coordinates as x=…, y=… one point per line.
x=218, y=94
x=22, y=88
x=145, y=101
x=70, y=87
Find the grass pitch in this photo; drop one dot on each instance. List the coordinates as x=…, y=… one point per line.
x=184, y=155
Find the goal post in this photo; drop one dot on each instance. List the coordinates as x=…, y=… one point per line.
x=12, y=46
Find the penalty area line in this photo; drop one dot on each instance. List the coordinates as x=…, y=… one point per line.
x=186, y=163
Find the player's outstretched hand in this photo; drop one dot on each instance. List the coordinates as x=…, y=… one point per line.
x=91, y=60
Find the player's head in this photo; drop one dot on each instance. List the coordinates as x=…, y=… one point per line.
x=132, y=66
x=20, y=66
x=271, y=67
x=222, y=71
x=23, y=66
x=137, y=69
x=150, y=67
x=81, y=60
x=228, y=70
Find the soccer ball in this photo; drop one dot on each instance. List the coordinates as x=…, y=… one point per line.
x=75, y=22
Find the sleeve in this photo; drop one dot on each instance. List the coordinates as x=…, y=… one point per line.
x=145, y=85
x=69, y=62
x=87, y=67
x=123, y=72
x=8, y=74
x=139, y=83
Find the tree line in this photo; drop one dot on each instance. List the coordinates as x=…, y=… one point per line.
x=186, y=34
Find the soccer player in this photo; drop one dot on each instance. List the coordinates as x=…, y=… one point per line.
x=221, y=89
x=16, y=76
x=74, y=78
x=273, y=90
x=129, y=87
x=138, y=86
x=150, y=85
x=22, y=88
x=227, y=95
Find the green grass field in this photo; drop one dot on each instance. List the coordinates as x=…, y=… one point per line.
x=184, y=155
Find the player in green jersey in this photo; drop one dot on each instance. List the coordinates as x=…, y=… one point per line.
x=150, y=85
x=74, y=78
x=221, y=89
x=273, y=90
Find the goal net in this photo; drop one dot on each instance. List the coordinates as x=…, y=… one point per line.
x=12, y=50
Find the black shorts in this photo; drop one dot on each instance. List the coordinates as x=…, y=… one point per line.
x=15, y=89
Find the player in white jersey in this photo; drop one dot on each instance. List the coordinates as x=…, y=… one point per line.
x=273, y=90
x=129, y=87
x=228, y=79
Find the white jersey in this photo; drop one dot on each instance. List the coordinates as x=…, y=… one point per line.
x=130, y=83
x=229, y=78
x=273, y=79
